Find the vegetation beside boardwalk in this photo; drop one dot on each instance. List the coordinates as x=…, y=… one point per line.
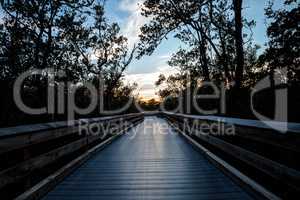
x=76, y=38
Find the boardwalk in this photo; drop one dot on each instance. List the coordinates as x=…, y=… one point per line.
x=155, y=164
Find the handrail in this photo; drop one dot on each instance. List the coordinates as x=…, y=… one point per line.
x=31, y=148
x=291, y=127
x=24, y=129
x=254, y=145
x=22, y=136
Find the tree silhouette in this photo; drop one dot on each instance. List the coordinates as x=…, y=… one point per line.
x=69, y=36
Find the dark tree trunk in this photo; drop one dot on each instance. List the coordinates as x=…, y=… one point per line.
x=224, y=59
x=203, y=54
x=272, y=79
x=204, y=59
x=239, y=42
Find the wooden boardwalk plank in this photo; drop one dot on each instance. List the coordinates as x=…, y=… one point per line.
x=150, y=162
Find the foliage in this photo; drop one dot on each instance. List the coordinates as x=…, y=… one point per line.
x=72, y=37
x=284, y=43
x=218, y=47
x=208, y=29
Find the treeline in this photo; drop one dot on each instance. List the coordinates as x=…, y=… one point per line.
x=218, y=47
x=71, y=38
x=73, y=43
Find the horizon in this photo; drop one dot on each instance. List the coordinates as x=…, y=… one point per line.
x=99, y=102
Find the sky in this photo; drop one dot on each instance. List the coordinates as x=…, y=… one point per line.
x=145, y=71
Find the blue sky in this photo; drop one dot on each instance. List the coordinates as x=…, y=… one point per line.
x=146, y=71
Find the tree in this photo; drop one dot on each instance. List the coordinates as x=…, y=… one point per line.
x=70, y=36
x=211, y=30
x=36, y=32
x=283, y=32
x=34, y=35
x=239, y=72
x=187, y=63
x=183, y=17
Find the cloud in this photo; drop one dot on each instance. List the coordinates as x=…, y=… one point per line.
x=143, y=72
x=146, y=81
x=134, y=21
x=130, y=5
x=154, y=63
x=146, y=86
x=166, y=57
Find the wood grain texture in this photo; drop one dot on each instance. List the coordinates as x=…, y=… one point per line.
x=148, y=162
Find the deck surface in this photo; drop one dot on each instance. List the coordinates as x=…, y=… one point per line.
x=149, y=162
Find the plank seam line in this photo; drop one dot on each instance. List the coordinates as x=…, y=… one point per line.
x=248, y=181
x=46, y=185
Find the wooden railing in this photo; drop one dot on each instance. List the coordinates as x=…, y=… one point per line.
x=30, y=153
x=268, y=156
